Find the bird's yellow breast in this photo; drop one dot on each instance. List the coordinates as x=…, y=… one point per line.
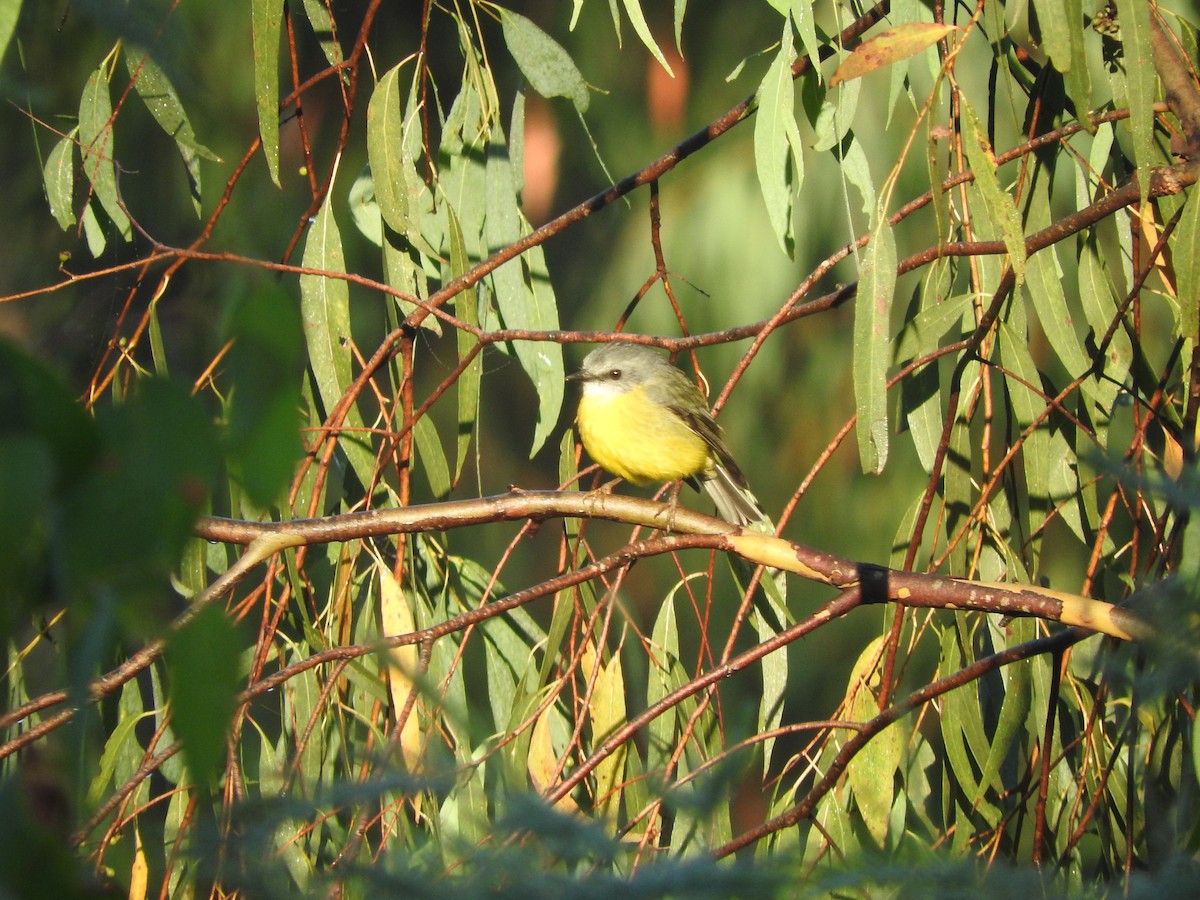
x=639, y=440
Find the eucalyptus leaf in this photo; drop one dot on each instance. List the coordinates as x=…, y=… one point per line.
x=266, y=19
x=872, y=348
x=96, y=144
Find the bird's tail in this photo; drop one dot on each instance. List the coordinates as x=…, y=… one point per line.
x=735, y=502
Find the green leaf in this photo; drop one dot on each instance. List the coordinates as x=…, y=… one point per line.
x=161, y=98
x=1141, y=79
x=96, y=144
x=322, y=26
x=158, y=350
x=1001, y=209
x=922, y=404
x=857, y=171
x=1099, y=307
x=1027, y=404
x=10, y=11
x=923, y=333
x=96, y=240
x=402, y=270
x=524, y=294
x=872, y=324
x=774, y=678
x=59, y=175
x=633, y=9
x=116, y=747
x=266, y=19
x=325, y=310
x=385, y=150
x=836, y=117
x=1186, y=255
x=666, y=675
x=204, y=666
x=1079, y=82
x=1010, y=725
x=466, y=307
x=778, y=154
x=364, y=207
x=957, y=491
x=1045, y=289
x=542, y=60
x=432, y=456
x=804, y=17
x=1056, y=30
x=937, y=170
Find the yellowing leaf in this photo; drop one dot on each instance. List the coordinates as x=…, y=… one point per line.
x=397, y=618
x=607, y=712
x=543, y=761
x=888, y=47
x=872, y=772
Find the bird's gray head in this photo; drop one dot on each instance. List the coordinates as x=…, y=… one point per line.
x=617, y=368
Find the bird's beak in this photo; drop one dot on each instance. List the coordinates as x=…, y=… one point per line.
x=577, y=376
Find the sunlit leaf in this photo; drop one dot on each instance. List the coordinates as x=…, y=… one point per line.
x=266, y=22
x=872, y=772
x=92, y=231
x=1023, y=386
x=385, y=148
x=322, y=26
x=431, y=456
x=10, y=11
x=1063, y=37
x=1186, y=256
x=607, y=712
x=466, y=307
x=524, y=295
x=888, y=47
x=59, y=176
x=1000, y=206
x=1140, y=81
x=922, y=404
x=778, y=155
x=542, y=60
x=96, y=145
x=325, y=309
x=633, y=9
x=161, y=98
x=543, y=759
x=396, y=617
x=872, y=347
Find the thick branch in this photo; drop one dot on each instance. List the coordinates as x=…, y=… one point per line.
x=880, y=585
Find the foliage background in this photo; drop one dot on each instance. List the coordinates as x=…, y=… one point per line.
x=374, y=770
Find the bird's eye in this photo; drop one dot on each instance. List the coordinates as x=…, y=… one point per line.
x=615, y=374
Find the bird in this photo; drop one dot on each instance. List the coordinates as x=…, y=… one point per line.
x=644, y=420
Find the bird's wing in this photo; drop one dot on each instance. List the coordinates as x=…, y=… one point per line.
x=698, y=419
x=703, y=424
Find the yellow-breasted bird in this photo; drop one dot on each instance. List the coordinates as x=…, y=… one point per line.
x=643, y=420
